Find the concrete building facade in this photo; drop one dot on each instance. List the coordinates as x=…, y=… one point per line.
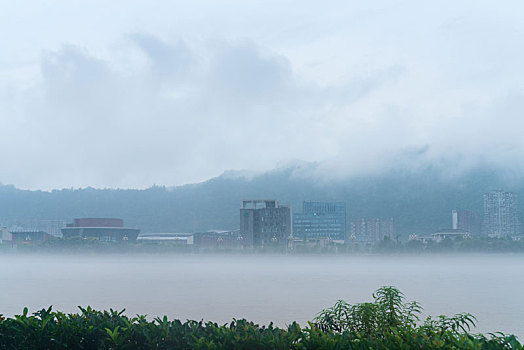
x=372, y=230
x=500, y=214
x=320, y=220
x=218, y=239
x=264, y=223
x=5, y=236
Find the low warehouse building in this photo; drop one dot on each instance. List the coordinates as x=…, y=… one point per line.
x=29, y=237
x=103, y=229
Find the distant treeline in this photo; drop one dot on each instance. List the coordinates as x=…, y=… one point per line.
x=472, y=245
x=386, y=246
x=385, y=323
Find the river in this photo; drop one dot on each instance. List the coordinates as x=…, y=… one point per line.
x=264, y=288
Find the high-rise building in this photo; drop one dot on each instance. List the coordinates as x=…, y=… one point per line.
x=372, y=229
x=465, y=220
x=320, y=219
x=264, y=223
x=500, y=214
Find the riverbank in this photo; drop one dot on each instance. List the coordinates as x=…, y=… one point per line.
x=386, y=246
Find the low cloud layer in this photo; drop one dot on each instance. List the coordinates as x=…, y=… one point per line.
x=359, y=90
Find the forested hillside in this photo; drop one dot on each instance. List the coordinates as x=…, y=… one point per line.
x=419, y=201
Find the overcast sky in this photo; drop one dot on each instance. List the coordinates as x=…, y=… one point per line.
x=128, y=93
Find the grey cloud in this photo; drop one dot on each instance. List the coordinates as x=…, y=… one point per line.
x=78, y=89
x=97, y=125
x=183, y=110
x=243, y=69
x=169, y=61
x=361, y=86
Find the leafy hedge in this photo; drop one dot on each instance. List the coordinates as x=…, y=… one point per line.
x=385, y=323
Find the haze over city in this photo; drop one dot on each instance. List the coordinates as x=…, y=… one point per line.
x=131, y=93
x=261, y=174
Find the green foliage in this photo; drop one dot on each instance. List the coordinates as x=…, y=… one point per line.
x=389, y=322
x=458, y=245
x=386, y=323
x=387, y=313
x=72, y=245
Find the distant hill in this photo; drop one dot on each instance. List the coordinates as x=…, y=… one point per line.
x=420, y=201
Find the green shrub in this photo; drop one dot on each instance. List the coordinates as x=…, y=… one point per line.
x=386, y=323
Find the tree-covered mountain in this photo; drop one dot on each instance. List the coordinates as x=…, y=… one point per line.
x=420, y=201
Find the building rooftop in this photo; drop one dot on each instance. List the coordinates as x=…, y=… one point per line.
x=264, y=203
x=96, y=222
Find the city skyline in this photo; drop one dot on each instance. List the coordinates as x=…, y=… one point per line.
x=268, y=220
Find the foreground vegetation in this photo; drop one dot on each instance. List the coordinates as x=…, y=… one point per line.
x=386, y=323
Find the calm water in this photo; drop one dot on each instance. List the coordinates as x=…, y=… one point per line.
x=265, y=288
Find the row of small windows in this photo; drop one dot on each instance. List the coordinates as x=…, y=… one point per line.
x=316, y=222
x=324, y=230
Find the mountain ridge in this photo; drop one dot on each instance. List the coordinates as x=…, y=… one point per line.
x=419, y=201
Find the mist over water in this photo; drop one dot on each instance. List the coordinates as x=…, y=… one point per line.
x=265, y=288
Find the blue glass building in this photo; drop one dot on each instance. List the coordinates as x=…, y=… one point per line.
x=320, y=220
